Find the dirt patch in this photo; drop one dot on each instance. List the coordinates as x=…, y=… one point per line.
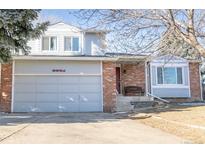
x=177, y=121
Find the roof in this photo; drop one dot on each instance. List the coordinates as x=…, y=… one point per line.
x=123, y=54
x=127, y=57
x=119, y=57
x=80, y=57
x=83, y=30
x=95, y=31
x=63, y=57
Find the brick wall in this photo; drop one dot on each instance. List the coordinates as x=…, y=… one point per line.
x=109, y=86
x=6, y=87
x=195, y=81
x=133, y=75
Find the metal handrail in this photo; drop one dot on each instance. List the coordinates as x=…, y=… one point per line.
x=164, y=100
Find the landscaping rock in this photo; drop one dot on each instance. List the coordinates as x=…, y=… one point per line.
x=139, y=116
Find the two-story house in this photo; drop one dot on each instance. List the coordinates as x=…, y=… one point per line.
x=68, y=71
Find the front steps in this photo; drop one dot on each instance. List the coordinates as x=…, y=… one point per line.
x=130, y=103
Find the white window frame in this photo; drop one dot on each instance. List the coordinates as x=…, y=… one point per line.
x=72, y=43
x=175, y=67
x=49, y=38
x=170, y=85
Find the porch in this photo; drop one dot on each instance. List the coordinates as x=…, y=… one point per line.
x=132, y=84
x=131, y=76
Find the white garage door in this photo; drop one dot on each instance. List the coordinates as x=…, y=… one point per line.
x=71, y=90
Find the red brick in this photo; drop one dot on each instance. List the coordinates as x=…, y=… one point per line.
x=133, y=75
x=6, y=87
x=109, y=86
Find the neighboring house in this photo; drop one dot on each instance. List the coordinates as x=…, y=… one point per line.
x=67, y=71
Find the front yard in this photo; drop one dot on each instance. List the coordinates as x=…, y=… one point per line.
x=187, y=122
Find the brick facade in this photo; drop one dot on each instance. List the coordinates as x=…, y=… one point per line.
x=133, y=75
x=195, y=85
x=6, y=87
x=109, y=86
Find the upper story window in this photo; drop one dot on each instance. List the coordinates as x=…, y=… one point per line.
x=49, y=43
x=169, y=75
x=71, y=43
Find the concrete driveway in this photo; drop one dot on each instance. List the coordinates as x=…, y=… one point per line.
x=78, y=128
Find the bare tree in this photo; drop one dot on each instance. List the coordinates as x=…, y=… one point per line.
x=150, y=31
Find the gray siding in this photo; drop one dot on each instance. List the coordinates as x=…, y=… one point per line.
x=93, y=44
x=90, y=43
x=171, y=92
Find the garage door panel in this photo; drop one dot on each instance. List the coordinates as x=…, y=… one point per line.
x=24, y=97
x=89, y=79
x=47, y=80
x=44, y=97
x=47, y=88
x=47, y=107
x=24, y=107
x=69, y=80
x=90, y=88
x=25, y=88
x=95, y=97
x=26, y=102
x=72, y=88
x=46, y=67
x=68, y=97
x=65, y=107
x=90, y=108
x=25, y=79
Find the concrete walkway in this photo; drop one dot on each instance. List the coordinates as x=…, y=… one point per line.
x=78, y=128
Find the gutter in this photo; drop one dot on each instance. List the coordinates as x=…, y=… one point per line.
x=64, y=58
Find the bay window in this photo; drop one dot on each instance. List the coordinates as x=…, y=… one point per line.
x=169, y=75
x=71, y=43
x=49, y=43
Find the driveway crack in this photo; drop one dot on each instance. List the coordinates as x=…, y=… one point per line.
x=17, y=131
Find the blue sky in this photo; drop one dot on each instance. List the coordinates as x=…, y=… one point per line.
x=55, y=15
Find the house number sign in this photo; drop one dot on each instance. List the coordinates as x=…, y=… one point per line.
x=58, y=70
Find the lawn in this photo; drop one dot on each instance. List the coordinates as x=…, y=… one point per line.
x=187, y=122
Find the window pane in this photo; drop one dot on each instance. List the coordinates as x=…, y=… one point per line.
x=179, y=75
x=45, y=43
x=67, y=44
x=169, y=75
x=159, y=75
x=75, y=44
x=53, y=43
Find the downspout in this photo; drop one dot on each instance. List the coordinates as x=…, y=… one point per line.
x=200, y=78
x=12, y=88
x=146, y=80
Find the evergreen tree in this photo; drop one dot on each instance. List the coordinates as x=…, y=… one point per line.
x=16, y=29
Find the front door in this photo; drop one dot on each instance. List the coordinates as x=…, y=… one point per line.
x=118, y=87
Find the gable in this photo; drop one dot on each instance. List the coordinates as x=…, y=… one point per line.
x=63, y=27
x=168, y=59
